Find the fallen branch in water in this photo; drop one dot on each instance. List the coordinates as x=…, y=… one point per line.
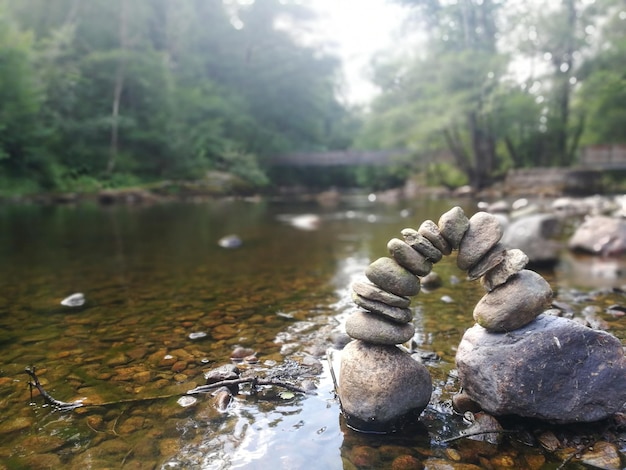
x=477, y=433
x=57, y=404
x=70, y=406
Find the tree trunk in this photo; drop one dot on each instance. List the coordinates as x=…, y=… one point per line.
x=118, y=88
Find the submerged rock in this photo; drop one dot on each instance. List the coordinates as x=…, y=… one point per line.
x=600, y=235
x=552, y=369
x=74, y=300
x=380, y=386
x=230, y=241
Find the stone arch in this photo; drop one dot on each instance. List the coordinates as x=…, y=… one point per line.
x=380, y=384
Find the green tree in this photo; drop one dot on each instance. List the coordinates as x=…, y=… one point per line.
x=20, y=132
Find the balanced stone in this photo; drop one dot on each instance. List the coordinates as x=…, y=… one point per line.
x=387, y=274
x=430, y=230
x=407, y=257
x=514, y=304
x=453, y=225
x=514, y=261
x=494, y=257
x=381, y=387
x=483, y=233
x=420, y=243
x=400, y=315
x=376, y=329
x=553, y=369
x=373, y=292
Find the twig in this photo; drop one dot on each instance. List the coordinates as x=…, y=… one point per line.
x=57, y=404
x=477, y=433
x=580, y=450
x=69, y=406
x=252, y=380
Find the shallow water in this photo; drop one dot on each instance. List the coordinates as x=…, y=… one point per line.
x=154, y=275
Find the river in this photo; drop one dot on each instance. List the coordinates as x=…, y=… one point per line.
x=165, y=303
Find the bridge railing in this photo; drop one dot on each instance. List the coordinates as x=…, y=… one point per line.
x=340, y=157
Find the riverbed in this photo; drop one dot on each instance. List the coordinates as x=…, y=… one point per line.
x=165, y=303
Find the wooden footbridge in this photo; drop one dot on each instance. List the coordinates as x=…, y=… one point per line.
x=341, y=158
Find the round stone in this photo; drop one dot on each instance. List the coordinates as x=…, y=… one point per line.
x=494, y=257
x=400, y=315
x=373, y=292
x=407, y=257
x=430, y=230
x=387, y=274
x=381, y=386
x=514, y=304
x=376, y=329
x=421, y=244
x=453, y=225
x=483, y=233
x=514, y=261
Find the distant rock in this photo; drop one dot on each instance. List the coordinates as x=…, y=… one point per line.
x=534, y=235
x=600, y=235
x=552, y=369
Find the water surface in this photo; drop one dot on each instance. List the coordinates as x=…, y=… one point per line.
x=154, y=275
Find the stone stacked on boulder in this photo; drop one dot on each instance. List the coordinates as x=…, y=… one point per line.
x=380, y=385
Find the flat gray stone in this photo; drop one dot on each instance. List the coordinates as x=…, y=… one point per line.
x=483, y=233
x=372, y=292
x=552, y=369
x=407, y=257
x=453, y=225
x=514, y=261
x=399, y=315
x=494, y=257
x=387, y=274
x=376, y=329
x=420, y=243
x=380, y=387
x=430, y=230
x=514, y=304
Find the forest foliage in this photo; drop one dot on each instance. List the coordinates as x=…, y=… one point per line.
x=115, y=92
x=500, y=84
x=107, y=93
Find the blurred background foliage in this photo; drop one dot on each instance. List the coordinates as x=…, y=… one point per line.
x=111, y=93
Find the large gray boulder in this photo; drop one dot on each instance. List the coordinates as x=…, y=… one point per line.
x=534, y=235
x=553, y=369
x=381, y=386
x=600, y=235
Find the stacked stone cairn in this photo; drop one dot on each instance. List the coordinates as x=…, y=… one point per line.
x=381, y=386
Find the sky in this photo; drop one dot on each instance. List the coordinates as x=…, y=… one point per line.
x=360, y=28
